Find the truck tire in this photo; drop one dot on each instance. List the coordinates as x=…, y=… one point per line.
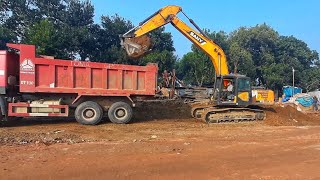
x=88, y=113
x=120, y=113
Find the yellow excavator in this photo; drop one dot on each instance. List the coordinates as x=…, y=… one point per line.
x=232, y=98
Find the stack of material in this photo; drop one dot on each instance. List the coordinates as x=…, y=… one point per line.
x=194, y=93
x=303, y=102
x=315, y=93
x=304, y=99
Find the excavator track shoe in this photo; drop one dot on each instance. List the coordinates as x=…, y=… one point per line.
x=224, y=115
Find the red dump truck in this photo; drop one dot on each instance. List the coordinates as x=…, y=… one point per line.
x=41, y=86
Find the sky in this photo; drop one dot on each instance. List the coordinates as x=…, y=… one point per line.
x=289, y=17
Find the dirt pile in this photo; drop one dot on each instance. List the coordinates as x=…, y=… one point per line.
x=290, y=116
x=175, y=110
x=146, y=111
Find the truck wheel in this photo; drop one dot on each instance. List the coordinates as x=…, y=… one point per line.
x=88, y=113
x=120, y=113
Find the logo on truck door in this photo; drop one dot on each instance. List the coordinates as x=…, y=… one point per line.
x=27, y=66
x=197, y=38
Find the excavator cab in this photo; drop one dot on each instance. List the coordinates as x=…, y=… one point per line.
x=232, y=90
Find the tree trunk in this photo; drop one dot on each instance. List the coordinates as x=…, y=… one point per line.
x=235, y=67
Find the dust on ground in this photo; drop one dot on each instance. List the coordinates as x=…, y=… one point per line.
x=163, y=142
x=162, y=116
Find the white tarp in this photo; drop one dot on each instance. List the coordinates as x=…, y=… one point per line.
x=315, y=93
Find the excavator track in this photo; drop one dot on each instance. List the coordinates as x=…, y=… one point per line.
x=222, y=115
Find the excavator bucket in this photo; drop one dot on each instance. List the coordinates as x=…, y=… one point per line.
x=136, y=46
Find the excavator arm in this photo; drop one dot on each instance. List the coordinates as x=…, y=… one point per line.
x=137, y=43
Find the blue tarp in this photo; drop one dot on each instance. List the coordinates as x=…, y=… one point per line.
x=305, y=101
x=285, y=99
x=287, y=90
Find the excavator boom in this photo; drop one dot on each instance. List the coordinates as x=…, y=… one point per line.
x=137, y=43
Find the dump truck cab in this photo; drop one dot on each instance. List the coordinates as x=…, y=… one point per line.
x=9, y=73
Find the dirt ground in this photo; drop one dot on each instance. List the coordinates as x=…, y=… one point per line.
x=163, y=143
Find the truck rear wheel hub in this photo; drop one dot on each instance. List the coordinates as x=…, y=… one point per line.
x=88, y=113
x=120, y=113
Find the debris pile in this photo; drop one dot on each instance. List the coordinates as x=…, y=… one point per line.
x=161, y=110
x=288, y=115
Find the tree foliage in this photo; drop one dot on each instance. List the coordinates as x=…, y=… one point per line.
x=66, y=29
x=162, y=51
x=6, y=36
x=196, y=67
x=107, y=43
x=260, y=53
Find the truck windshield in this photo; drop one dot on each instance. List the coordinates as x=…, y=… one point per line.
x=243, y=85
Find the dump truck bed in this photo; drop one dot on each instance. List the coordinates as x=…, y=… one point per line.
x=47, y=75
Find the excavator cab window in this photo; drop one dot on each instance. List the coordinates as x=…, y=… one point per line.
x=244, y=85
x=227, y=89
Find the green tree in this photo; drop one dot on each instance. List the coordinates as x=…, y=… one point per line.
x=110, y=50
x=71, y=22
x=107, y=42
x=196, y=67
x=47, y=38
x=165, y=60
x=296, y=54
x=18, y=14
x=162, y=51
x=42, y=34
x=65, y=29
x=242, y=61
x=312, y=80
x=262, y=54
x=78, y=24
x=258, y=52
x=54, y=11
x=6, y=36
x=255, y=48
x=162, y=40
